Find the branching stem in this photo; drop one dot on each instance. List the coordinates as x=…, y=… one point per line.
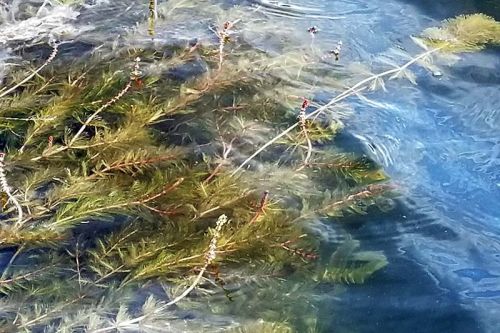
x=261, y=208
x=140, y=202
x=349, y=92
x=86, y=123
x=118, y=166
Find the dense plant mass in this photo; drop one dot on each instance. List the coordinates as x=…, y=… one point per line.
x=140, y=183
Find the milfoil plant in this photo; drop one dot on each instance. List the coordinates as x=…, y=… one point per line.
x=132, y=195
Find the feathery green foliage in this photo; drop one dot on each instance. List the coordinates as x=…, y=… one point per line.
x=465, y=33
x=348, y=266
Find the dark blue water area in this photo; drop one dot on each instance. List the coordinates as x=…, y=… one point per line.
x=439, y=141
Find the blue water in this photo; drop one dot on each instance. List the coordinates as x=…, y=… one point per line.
x=440, y=142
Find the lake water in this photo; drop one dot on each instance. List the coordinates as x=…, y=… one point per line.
x=439, y=141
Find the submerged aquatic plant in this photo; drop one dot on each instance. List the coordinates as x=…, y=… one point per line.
x=462, y=34
x=153, y=16
x=465, y=33
x=122, y=174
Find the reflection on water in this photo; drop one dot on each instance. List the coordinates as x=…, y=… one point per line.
x=437, y=140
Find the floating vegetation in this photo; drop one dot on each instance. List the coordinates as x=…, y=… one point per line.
x=464, y=33
x=134, y=193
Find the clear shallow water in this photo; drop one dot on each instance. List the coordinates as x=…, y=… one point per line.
x=438, y=141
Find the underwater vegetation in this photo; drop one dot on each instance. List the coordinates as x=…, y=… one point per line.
x=144, y=185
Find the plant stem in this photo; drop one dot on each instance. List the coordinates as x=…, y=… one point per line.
x=87, y=122
x=117, y=166
x=209, y=257
x=262, y=206
x=102, y=108
x=55, y=310
x=4, y=186
x=140, y=202
x=349, y=92
x=24, y=276
x=29, y=77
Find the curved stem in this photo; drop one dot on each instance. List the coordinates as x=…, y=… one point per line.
x=29, y=77
x=209, y=257
x=349, y=92
x=4, y=186
x=86, y=123
x=172, y=302
x=96, y=113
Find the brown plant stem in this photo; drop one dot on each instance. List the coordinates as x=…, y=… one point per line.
x=369, y=191
x=298, y=252
x=140, y=202
x=261, y=208
x=24, y=276
x=117, y=166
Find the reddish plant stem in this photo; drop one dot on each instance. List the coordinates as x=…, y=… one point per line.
x=167, y=189
x=141, y=202
x=24, y=276
x=369, y=191
x=214, y=173
x=298, y=252
x=260, y=209
x=134, y=163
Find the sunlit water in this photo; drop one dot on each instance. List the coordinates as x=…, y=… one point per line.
x=439, y=141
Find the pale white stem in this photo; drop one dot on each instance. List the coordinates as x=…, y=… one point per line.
x=209, y=257
x=28, y=119
x=221, y=51
x=309, y=147
x=42, y=7
x=4, y=186
x=96, y=113
x=86, y=123
x=158, y=310
x=29, y=77
x=352, y=90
